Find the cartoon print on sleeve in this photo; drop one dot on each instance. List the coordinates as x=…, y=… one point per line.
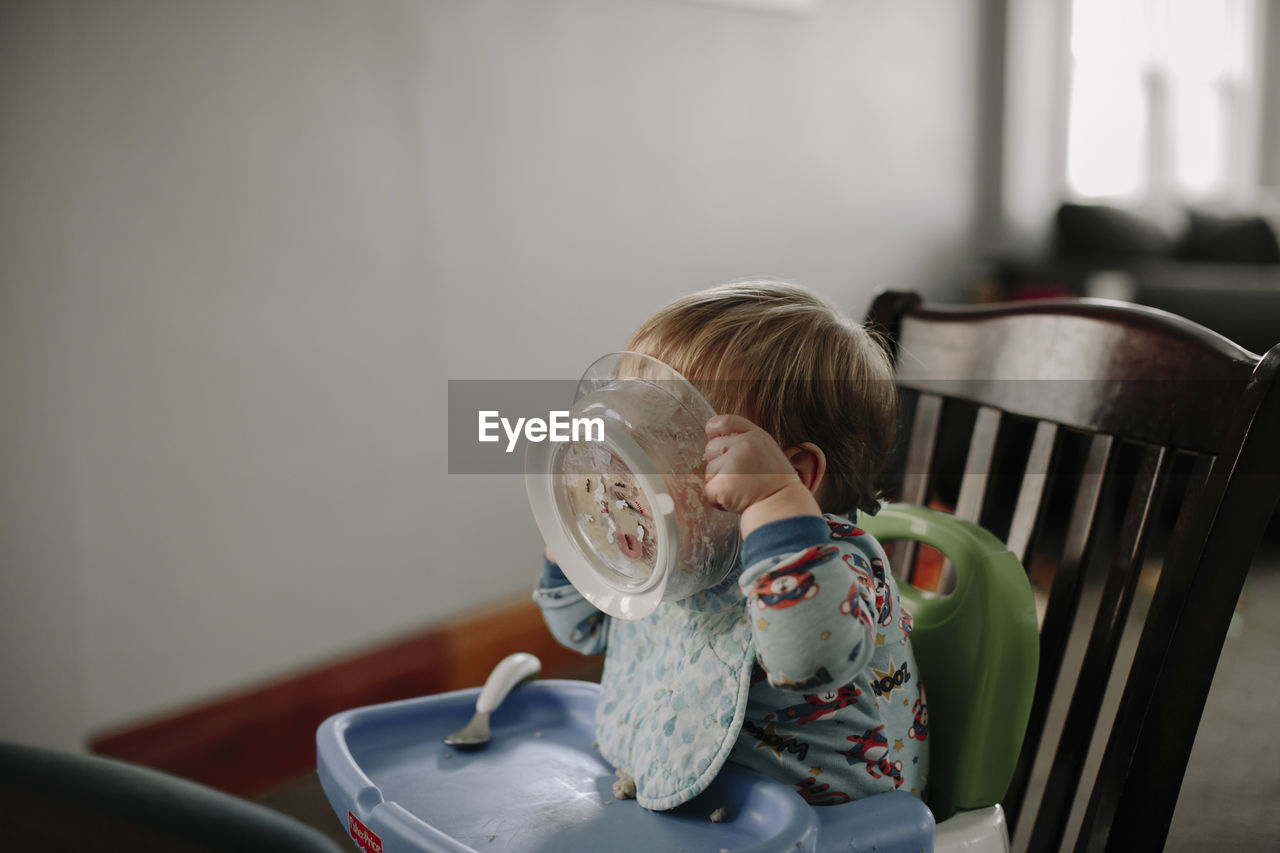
x=819, y=795
x=854, y=604
x=884, y=598
x=768, y=737
x=817, y=679
x=818, y=705
x=873, y=574
x=884, y=683
x=883, y=768
x=872, y=748
x=587, y=628
x=844, y=530
x=790, y=582
x=920, y=719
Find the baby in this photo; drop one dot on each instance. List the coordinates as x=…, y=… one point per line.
x=800, y=664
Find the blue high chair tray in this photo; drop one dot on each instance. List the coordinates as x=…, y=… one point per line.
x=540, y=785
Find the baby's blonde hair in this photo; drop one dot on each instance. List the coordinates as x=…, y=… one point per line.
x=785, y=358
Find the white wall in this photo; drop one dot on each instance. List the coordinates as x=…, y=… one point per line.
x=1036, y=93
x=1269, y=145
x=244, y=245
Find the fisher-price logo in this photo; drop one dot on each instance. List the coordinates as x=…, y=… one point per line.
x=362, y=835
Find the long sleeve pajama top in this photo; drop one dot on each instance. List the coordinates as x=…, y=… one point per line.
x=835, y=707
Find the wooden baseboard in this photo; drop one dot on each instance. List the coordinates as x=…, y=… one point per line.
x=253, y=740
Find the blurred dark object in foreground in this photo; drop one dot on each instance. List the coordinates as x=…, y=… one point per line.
x=66, y=801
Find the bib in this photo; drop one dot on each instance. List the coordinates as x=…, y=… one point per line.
x=674, y=693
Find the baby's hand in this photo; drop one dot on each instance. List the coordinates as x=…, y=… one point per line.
x=748, y=473
x=744, y=464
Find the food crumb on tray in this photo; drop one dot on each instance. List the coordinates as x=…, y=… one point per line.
x=720, y=815
x=625, y=787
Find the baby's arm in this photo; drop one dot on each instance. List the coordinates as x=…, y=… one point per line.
x=805, y=586
x=572, y=620
x=811, y=594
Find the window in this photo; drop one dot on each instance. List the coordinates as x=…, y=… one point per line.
x=1163, y=100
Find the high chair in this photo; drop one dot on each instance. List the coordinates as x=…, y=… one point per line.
x=388, y=777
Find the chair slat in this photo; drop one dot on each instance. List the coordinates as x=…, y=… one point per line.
x=924, y=437
x=974, y=479
x=1104, y=642
x=1064, y=598
x=916, y=475
x=1100, y=813
x=977, y=467
x=1026, y=511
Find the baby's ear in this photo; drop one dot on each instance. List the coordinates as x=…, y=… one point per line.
x=810, y=463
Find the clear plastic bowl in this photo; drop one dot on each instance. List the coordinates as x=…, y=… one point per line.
x=624, y=513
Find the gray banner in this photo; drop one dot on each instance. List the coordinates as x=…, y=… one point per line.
x=491, y=422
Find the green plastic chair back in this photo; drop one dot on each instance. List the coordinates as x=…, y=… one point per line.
x=977, y=649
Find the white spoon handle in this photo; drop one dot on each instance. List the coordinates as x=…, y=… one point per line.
x=510, y=671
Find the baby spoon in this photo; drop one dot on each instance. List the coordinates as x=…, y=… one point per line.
x=510, y=672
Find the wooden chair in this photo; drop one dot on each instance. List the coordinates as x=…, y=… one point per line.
x=1097, y=439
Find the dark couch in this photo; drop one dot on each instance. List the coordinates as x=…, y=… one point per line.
x=1222, y=272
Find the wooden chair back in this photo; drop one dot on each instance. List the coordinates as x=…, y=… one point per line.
x=1122, y=454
